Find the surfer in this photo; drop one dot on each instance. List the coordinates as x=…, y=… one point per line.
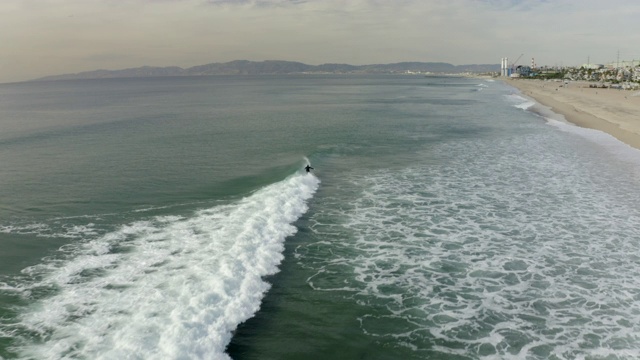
x=308, y=168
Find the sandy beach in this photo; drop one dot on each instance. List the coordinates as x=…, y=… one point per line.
x=616, y=112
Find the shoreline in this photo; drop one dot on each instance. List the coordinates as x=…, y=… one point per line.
x=615, y=112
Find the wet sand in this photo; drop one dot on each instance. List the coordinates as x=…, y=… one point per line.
x=616, y=112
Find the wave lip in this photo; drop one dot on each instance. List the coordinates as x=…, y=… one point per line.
x=170, y=287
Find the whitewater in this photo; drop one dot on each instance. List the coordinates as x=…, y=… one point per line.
x=167, y=287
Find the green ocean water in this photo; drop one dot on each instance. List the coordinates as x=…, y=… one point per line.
x=171, y=218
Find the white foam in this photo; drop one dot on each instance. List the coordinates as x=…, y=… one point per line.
x=505, y=251
x=608, y=142
x=23, y=229
x=520, y=102
x=611, y=144
x=48, y=231
x=170, y=287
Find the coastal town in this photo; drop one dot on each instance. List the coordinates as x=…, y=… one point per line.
x=623, y=75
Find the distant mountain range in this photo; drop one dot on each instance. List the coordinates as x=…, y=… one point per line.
x=277, y=67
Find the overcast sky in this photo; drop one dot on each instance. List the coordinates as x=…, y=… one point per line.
x=49, y=37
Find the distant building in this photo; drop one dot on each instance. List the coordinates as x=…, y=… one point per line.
x=623, y=64
x=504, y=67
x=523, y=71
x=593, y=66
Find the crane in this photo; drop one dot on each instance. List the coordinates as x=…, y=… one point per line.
x=513, y=65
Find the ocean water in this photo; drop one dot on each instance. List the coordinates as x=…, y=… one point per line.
x=446, y=218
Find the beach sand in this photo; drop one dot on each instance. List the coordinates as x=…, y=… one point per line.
x=616, y=112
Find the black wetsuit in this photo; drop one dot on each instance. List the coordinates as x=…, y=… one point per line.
x=308, y=168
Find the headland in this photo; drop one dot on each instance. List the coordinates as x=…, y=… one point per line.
x=616, y=112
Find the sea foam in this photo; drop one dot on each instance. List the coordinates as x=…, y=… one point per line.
x=509, y=251
x=168, y=287
x=608, y=142
x=519, y=101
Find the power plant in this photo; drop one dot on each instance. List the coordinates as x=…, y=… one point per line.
x=505, y=70
x=509, y=70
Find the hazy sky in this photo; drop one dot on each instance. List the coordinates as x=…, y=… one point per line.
x=48, y=37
